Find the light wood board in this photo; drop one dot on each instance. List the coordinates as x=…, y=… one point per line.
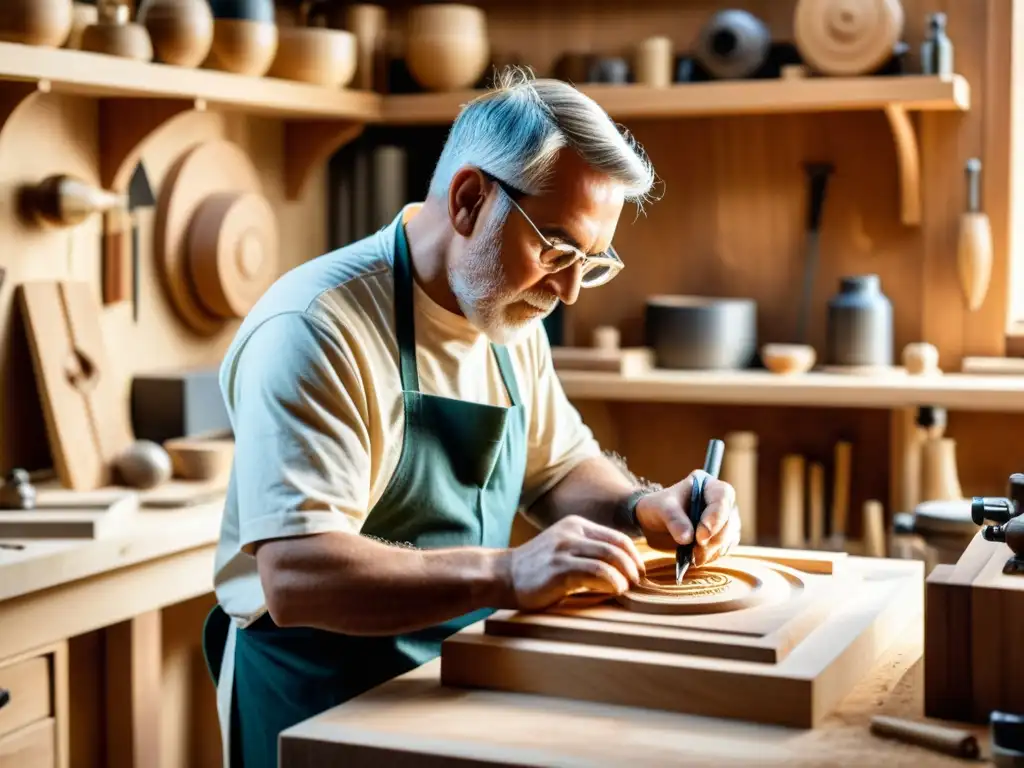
x=71, y=515
x=86, y=420
x=798, y=691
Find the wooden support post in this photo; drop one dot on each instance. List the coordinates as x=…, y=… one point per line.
x=134, y=671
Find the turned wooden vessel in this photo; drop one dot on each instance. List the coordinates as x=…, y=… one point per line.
x=36, y=22
x=181, y=30
x=446, y=45
x=837, y=37
x=245, y=37
x=114, y=35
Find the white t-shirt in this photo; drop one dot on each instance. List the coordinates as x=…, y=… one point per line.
x=312, y=388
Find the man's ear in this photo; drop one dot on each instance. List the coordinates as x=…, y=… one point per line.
x=465, y=199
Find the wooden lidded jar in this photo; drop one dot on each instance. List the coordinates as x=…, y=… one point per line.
x=35, y=22
x=181, y=30
x=115, y=35
x=245, y=36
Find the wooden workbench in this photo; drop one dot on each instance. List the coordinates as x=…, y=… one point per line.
x=414, y=721
x=100, y=645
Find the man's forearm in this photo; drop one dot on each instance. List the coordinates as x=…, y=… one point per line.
x=595, y=489
x=352, y=584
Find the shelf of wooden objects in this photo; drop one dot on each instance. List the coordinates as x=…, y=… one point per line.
x=138, y=98
x=896, y=96
x=960, y=391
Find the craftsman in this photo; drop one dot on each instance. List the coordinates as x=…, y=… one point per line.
x=394, y=404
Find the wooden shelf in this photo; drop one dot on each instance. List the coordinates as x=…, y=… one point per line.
x=955, y=391
x=321, y=120
x=911, y=93
x=137, y=99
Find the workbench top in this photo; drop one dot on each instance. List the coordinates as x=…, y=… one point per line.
x=414, y=720
x=148, y=535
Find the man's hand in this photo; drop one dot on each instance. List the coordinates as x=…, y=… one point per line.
x=569, y=556
x=662, y=516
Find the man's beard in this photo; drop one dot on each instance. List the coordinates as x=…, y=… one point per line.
x=479, y=288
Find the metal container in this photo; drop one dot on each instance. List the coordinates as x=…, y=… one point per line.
x=859, y=324
x=701, y=332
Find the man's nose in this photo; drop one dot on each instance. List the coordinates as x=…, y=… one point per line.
x=565, y=283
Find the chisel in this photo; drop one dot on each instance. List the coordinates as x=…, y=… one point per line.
x=712, y=466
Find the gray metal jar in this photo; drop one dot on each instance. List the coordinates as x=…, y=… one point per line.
x=859, y=324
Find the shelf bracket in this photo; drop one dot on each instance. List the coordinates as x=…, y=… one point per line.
x=126, y=125
x=15, y=94
x=308, y=144
x=908, y=160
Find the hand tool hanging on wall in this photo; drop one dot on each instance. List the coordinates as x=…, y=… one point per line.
x=118, y=283
x=974, y=250
x=817, y=181
x=712, y=466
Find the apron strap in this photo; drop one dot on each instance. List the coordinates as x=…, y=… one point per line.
x=508, y=374
x=405, y=327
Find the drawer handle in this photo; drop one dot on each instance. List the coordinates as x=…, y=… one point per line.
x=5, y=696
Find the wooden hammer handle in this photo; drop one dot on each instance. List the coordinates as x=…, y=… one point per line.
x=949, y=741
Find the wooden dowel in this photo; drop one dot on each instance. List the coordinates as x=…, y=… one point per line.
x=841, y=489
x=949, y=741
x=791, y=502
x=816, y=503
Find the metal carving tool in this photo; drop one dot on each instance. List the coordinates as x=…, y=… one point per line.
x=712, y=466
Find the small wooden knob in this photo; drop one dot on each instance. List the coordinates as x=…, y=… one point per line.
x=606, y=337
x=233, y=244
x=921, y=358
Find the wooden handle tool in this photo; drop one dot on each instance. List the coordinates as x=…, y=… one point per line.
x=974, y=249
x=949, y=741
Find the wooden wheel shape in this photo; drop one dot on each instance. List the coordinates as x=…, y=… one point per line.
x=216, y=236
x=847, y=37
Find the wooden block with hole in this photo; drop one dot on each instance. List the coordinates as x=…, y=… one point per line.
x=782, y=643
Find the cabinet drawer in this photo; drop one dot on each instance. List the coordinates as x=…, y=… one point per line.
x=29, y=693
x=31, y=747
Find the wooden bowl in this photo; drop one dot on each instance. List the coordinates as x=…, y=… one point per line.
x=788, y=358
x=36, y=22
x=200, y=458
x=243, y=47
x=114, y=35
x=446, y=19
x=181, y=30
x=315, y=55
x=446, y=62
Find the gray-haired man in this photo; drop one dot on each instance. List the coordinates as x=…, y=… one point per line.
x=394, y=403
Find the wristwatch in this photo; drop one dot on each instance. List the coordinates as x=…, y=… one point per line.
x=628, y=509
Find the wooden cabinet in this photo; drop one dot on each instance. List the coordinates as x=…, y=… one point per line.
x=33, y=709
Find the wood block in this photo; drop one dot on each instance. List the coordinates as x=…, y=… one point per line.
x=974, y=622
x=64, y=514
x=630, y=361
x=786, y=663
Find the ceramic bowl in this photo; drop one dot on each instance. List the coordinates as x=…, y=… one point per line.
x=315, y=55
x=446, y=62
x=788, y=358
x=701, y=332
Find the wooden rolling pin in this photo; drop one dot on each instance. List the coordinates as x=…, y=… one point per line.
x=974, y=249
x=739, y=469
x=949, y=741
x=841, y=490
x=791, y=502
x=816, y=504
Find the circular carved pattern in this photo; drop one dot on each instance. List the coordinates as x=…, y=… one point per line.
x=696, y=583
x=847, y=37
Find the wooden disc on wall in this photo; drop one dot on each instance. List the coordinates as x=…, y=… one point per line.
x=729, y=584
x=216, y=236
x=847, y=37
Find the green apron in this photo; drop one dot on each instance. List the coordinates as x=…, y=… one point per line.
x=457, y=483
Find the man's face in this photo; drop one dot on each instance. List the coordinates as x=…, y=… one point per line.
x=498, y=279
